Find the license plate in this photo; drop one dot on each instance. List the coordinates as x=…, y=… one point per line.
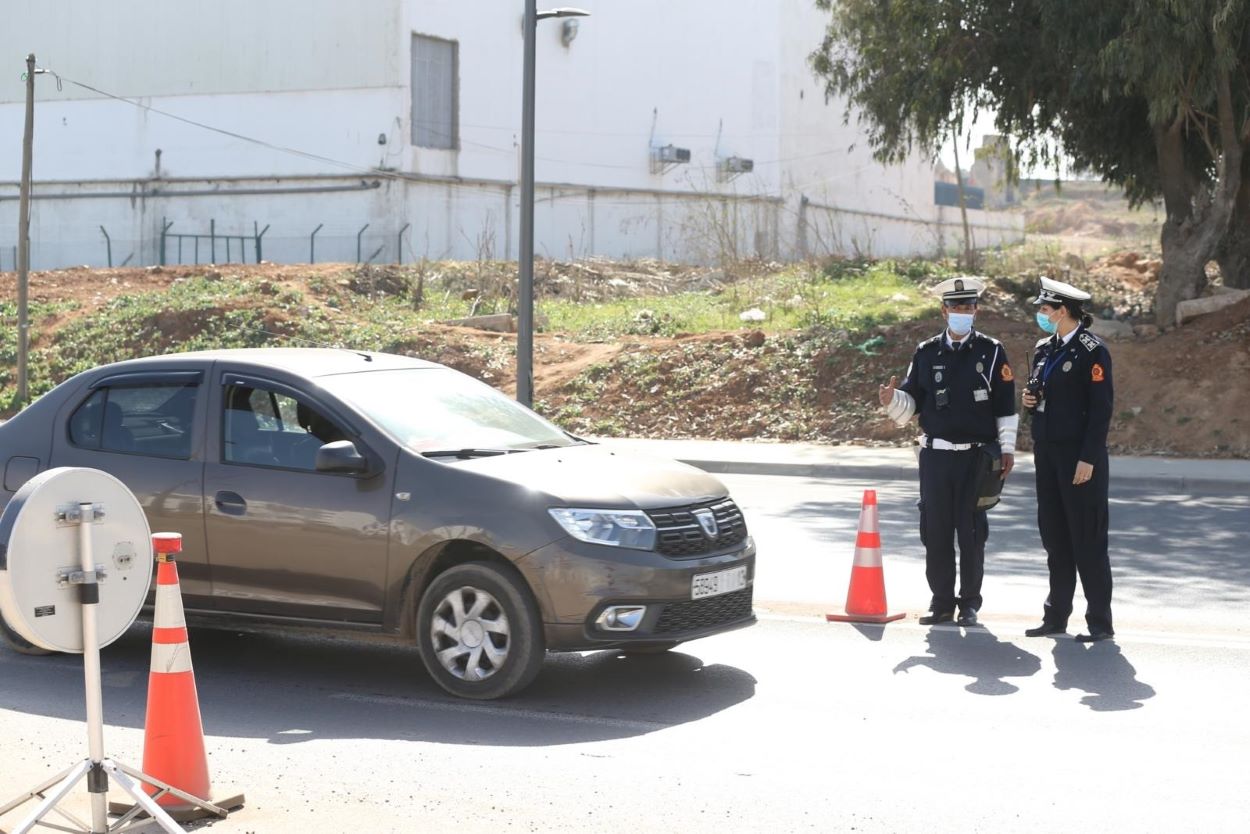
x=721, y=582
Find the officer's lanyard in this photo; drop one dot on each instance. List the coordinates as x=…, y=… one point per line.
x=1053, y=361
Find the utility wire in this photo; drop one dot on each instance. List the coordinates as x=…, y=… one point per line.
x=376, y=172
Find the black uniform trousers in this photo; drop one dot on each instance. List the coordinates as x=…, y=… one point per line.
x=1073, y=522
x=948, y=512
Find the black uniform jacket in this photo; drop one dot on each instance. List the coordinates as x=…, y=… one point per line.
x=1077, y=392
x=960, y=394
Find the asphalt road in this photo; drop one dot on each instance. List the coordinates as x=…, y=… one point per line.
x=793, y=725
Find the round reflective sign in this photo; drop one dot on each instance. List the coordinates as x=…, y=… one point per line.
x=41, y=562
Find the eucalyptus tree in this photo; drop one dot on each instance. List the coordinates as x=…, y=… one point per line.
x=1152, y=95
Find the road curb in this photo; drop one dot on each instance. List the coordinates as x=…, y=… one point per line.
x=894, y=472
x=863, y=472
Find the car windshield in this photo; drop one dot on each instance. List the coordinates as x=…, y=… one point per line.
x=441, y=410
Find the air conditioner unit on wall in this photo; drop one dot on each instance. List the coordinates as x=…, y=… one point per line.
x=662, y=158
x=730, y=167
x=671, y=155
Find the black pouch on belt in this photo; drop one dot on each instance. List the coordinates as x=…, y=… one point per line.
x=989, y=476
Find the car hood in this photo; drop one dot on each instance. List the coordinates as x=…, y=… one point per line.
x=591, y=476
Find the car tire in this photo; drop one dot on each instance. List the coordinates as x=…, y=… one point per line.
x=651, y=648
x=479, y=632
x=19, y=643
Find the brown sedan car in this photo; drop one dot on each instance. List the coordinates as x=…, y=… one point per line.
x=378, y=493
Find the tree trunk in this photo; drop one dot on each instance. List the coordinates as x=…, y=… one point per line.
x=968, y=259
x=1183, y=274
x=1234, y=252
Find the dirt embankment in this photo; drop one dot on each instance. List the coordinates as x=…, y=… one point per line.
x=1181, y=392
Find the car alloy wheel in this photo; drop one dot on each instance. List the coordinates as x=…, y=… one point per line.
x=479, y=632
x=471, y=634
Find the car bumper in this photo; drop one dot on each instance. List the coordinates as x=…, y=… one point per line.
x=575, y=582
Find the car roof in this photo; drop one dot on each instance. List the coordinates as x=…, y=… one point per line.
x=307, y=362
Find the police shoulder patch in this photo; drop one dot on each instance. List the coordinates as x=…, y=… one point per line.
x=1090, y=341
x=1008, y=376
x=1096, y=373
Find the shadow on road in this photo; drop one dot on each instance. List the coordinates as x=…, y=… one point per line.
x=1102, y=671
x=975, y=653
x=294, y=688
x=1157, y=539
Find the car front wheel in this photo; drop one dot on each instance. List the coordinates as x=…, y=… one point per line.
x=19, y=643
x=479, y=632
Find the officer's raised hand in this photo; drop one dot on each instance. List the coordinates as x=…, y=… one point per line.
x=886, y=392
x=1029, y=400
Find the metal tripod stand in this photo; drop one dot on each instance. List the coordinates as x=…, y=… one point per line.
x=96, y=768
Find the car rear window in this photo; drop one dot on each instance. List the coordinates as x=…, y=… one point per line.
x=153, y=420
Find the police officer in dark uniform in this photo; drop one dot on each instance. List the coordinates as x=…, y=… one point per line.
x=961, y=385
x=1069, y=395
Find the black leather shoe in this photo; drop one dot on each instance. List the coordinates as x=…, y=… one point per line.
x=936, y=618
x=1094, y=636
x=1045, y=629
x=967, y=618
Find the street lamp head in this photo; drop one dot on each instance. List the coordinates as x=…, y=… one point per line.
x=563, y=12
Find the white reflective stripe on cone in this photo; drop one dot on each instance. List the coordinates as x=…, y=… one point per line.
x=169, y=612
x=171, y=657
x=867, y=557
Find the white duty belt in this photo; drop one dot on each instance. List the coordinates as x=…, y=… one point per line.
x=927, y=442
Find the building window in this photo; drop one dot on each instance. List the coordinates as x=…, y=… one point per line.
x=434, y=93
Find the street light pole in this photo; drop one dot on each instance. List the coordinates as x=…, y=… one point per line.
x=525, y=292
x=525, y=296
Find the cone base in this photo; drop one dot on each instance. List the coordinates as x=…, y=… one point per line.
x=863, y=618
x=189, y=813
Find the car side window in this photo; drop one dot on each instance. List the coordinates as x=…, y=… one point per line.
x=267, y=428
x=154, y=420
x=86, y=422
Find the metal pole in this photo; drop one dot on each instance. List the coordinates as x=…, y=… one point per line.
x=259, y=235
x=312, y=244
x=97, y=780
x=399, y=245
x=358, y=235
x=108, y=244
x=212, y=241
x=525, y=292
x=23, y=234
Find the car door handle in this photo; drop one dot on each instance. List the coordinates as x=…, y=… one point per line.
x=230, y=503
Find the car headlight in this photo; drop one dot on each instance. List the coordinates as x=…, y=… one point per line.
x=618, y=528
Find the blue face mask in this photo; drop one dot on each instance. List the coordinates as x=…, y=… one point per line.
x=1044, y=322
x=959, y=323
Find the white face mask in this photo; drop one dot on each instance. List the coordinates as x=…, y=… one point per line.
x=960, y=323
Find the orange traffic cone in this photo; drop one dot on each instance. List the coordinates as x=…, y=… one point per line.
x=865, y=599
x=173, y=743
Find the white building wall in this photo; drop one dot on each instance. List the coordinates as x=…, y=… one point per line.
x=323, y=88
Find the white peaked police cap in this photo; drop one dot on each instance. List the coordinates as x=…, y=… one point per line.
x=1057, y=292
x=954, y=290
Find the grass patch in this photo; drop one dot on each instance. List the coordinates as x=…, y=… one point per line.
x=842, y=295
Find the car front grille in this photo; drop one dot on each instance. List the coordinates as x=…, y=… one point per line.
x=679, y=534
x=704, y=613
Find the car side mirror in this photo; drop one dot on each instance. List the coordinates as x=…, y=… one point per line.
x=341, y=456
